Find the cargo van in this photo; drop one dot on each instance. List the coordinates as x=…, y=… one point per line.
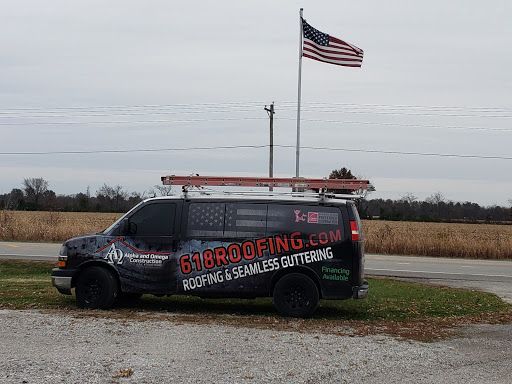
x=296, y=250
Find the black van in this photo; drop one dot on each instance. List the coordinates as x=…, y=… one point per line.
x=296, y=250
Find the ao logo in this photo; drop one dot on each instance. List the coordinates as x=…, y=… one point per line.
x=114, y=255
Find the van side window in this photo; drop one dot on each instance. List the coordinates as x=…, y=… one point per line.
x=245, y=220
x=153, y=220
x=206, y=219
x=232, y=220
x=251, y=220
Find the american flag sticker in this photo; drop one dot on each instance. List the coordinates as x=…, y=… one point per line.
x=229, y=220
x=206, y=219
x=323, y=218
x=245, y=220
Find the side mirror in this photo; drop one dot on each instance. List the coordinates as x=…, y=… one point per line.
x=124, y=227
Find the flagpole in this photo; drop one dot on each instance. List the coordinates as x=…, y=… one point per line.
x=297, y=151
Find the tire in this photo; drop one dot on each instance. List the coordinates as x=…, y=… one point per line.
x=124, y=298
x=96, y=288
x=296, y=295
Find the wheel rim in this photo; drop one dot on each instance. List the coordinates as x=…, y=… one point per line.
x=296, y=297
x=92, y=290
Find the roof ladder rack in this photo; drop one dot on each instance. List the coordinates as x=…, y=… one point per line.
x=298, y=184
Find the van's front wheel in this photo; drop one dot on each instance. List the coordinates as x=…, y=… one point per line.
x=124, y=298
x=96, y=287
x=296, y=295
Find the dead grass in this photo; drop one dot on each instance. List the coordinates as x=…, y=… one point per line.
x=454, y=240
x=51, y=226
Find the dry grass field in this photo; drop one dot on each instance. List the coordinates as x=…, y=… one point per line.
x=472, y=241
x=51, y=226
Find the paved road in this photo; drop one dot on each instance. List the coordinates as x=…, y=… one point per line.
x=484, y=275
x=487, y=275
x=29, y=251
x=439, y=268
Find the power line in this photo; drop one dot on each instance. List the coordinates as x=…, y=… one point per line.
x=323, y=107
x=405, y=113
x=135, y=150
x=405, y=153
x=98, y=113
x=132, y=121
x=144, y=106
x=456, y=127
x=283, y=104
x=401, y=107
x=25, y=114
x=430, y=154
x=184, y=121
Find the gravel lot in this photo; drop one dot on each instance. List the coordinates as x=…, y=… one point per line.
x=55, y=348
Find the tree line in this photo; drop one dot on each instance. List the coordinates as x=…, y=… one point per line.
x=35, y=195
x=434, y=208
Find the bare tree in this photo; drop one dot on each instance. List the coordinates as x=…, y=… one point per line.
x=35, y=188
x=161, y=190
x=119, y=195
x=437, y=198
x=113, y=196
x=137, y=197
x=105, y=190
x=408, y=198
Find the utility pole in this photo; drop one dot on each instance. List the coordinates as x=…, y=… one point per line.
x=270, y=112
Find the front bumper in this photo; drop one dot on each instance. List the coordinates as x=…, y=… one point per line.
x=62, y=280
x=361, y=292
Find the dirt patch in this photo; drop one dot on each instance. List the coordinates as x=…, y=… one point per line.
x=426, y=330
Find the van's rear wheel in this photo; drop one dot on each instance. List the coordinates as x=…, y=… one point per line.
x=296, y=295
x=96, y=287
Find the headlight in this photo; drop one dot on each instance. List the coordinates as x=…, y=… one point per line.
x=63, y=250
x=63, y=256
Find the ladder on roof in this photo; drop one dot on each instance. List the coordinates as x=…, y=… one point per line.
x=319, y=185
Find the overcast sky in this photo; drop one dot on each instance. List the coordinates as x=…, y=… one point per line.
x=429, y=111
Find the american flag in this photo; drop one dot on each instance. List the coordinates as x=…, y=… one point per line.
x=237, y=220
x=246, y=220
x=322, y=47
x=206, y=219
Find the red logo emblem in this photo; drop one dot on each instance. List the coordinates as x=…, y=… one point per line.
x=313, y=217
x=298, y=216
